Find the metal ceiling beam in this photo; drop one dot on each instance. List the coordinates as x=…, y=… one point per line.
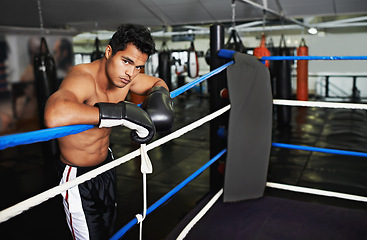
x=249, y=28
x=279, y=5
x=342, y=21
x=169, y=34
x=250, y=24
x=280, y=14
x=297, y=27
x=38, y=31
x=342, y=25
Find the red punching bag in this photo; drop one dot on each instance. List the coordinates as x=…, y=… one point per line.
x=262, y=51
x=302, y=72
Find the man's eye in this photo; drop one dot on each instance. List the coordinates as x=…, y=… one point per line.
x=125, y=61
x=139, y=68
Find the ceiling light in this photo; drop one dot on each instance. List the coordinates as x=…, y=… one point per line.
x=312, y=31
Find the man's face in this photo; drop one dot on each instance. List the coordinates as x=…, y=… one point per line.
x=125, y=65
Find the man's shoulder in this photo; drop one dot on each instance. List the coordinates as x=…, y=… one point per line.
x=81, y=72
x=82, y=69
x=79, y=77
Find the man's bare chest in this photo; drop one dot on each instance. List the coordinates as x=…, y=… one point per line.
x=114, y=96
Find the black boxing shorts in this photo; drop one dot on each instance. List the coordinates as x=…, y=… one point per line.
x=90, y=207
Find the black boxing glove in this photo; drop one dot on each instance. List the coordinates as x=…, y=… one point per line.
x=128, y=115
x=159, y=106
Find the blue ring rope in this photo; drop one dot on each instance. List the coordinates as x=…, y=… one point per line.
x=186, y=87
x=323, y=150
x=58, y=132
x=163, y=199
x=314, y=58
x=225, y=53
x=48, y=134
x=124, y=229
x=41, y=135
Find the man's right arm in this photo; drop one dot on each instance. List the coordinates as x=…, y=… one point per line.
x=63, y=108
x=67, y=105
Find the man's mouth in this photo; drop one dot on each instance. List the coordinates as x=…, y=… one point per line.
x=125, y=80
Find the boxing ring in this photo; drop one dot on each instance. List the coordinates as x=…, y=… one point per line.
x=212, y=201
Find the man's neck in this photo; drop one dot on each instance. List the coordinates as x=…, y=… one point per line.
x=102, y=80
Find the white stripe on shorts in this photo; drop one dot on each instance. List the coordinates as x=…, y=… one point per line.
x=73, y=206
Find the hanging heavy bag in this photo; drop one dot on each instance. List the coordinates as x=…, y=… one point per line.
x=164, y=65
x=234, y=42
x=283, y=83
x=262, y=51
x=46, y=84
x=272, y=68
x=192, y=62
x=3, y=66
x=96, y=54
x=207, y=57
x=45, y=77
x=302, y=72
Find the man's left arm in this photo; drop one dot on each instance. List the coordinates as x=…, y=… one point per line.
x=142, y=84
x=157, y=103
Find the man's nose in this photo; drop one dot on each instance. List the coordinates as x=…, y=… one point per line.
x=130, y=71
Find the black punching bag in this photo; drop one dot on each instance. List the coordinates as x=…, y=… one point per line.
x=164, y=67
x=45, y=77
x=283, y=83
x=46, y=84
x=272, y=67
x=96, y=54
x=234, y=42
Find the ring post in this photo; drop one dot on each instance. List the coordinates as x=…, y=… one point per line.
x=215, y=85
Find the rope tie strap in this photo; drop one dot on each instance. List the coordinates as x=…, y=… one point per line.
x=139, y=217
x=145, y=168
x=146, y=164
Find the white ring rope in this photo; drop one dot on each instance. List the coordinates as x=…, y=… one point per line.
x=198, y=216
x=319, y=104
x=316, y=191
x=207, y=207
x=17, y=209
x=25, y=205
x=52, y=192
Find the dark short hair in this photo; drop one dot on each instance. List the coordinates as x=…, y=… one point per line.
x=137, y=35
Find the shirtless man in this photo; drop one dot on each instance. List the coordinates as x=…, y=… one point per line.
x=94, y=94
